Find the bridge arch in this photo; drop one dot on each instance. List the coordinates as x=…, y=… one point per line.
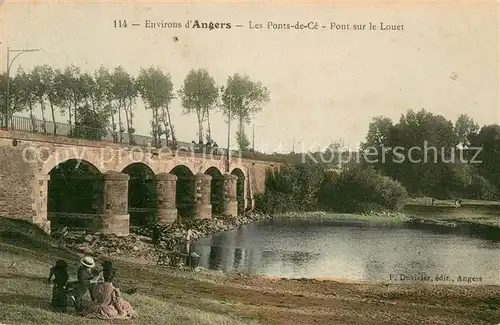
x=240, y=188
x=142, y=197
x=74, y=194
x=184, y=190
x=54, y=157
x=216, y=189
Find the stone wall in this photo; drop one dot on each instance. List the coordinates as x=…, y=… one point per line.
x=16, y=183
x=23, y=185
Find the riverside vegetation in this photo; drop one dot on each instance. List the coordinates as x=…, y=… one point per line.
x=362, y=190
x=170, y=296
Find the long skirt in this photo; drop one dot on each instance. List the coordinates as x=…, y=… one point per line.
x=59, y=299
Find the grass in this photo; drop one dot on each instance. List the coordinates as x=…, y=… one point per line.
x=476, y=217
x=393, y=218
x=174, y=297
x=471, y=211
x=479, y=214
x=427, y=201
x=161, y=297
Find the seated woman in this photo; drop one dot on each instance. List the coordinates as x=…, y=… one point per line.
x=108, y=303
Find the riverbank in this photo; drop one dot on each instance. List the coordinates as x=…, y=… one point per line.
x=478, y=216
x=379, y=218
x=171, y=296
x=141, y=247
x=427, y=201
x=462, y=220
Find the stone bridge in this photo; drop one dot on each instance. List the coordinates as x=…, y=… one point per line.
x=43, y=179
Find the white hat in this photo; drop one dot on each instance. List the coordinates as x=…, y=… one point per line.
x=88, y=261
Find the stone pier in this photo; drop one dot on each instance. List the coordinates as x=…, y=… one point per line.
x=230, y=207
x=40, y=219
x=115, y=219
x=202, y=207
x=165, y=189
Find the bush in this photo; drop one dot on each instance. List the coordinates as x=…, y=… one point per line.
x=481, y=189
x=362, y=189
x=307, y=187
x=294, y=188
x=275, y=203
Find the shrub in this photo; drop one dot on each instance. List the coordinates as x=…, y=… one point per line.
x=294, y=188
x=481, y=189
x=362, y=189
x=307, y=187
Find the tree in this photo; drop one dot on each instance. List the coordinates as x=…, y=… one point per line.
x=199, y=95
x=464, y=127
x=104, y=82
x=90, y=92
x=40, y=84
x=156, y=90
x=488, y=140
x=62, y=93
x=427, y=142
x=242, y=140
x=74, y=82
x=130, y=101
x=47, y=77
x=378, y=132
x=25, y=95
x=125, y=93
x=17, y=94
x=3, y=93
x=91, y=124
x=242, y=98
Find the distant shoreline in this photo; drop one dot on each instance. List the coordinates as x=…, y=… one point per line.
x=452, y=218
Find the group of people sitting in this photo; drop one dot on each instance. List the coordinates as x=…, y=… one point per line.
x=106, y=301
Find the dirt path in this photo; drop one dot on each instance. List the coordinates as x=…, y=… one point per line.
x=325, y=302
x=301, y=302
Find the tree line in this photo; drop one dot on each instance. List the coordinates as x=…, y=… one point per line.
x=107, y=99
x=449, y=160
x=464, y=163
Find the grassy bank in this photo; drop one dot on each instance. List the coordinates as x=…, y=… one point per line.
x=167, y=296
x=26, y=255
x=375, y=218
x=427, y=201
x=470, y=212
x=440, y=215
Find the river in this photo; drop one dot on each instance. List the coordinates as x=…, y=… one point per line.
x=346, y=252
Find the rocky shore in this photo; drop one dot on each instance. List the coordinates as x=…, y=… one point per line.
x=148, y=244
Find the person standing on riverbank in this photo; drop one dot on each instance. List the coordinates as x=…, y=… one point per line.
x=187, y=246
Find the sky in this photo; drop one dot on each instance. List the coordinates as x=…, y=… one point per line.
x=325, y=85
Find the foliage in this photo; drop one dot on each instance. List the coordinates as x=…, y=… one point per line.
x=90, y=125
x=199, y=94
x=359, y=188
x=464, y=127
x=308, y=187
x=481, y=189
x=430, y=155
x=50, y=92
x=242, y=98
x=243, y=141
x=486, y=144
x=156, y=89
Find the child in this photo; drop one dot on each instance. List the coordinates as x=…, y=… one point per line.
x=59, y=294
x=85, y=273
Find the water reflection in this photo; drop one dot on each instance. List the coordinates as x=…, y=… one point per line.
x=282, y=249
